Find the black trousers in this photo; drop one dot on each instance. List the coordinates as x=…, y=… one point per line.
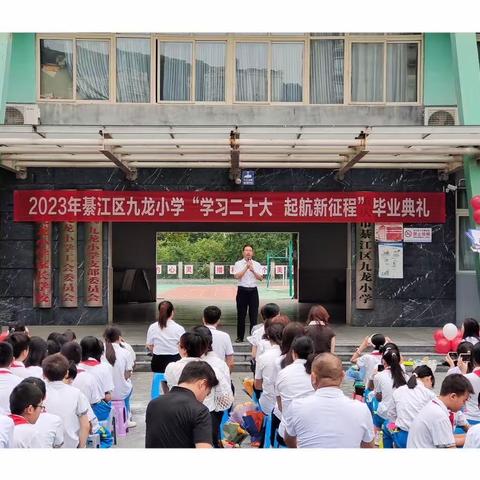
x=247, y=299
x=216, y=421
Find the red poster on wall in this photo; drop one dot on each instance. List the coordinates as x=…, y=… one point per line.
x=43, y=266
x=264, y=207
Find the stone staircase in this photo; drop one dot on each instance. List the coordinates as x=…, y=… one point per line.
x=242, y=356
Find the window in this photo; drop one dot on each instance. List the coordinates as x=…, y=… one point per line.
x=210, y=71
x=251, y=72
x=287, y=72
x=390, y=66
x=93, y=69
x=56, y=69
x=326, y=71
x=175, y=82
x=133, y=70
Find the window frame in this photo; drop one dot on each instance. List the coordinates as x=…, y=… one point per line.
x=460, y=213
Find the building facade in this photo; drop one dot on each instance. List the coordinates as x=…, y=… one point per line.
x=102, y=86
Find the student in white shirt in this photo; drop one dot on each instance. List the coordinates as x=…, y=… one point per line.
x=472, y=440
x=434, y=424
x=6, y=431
x=471, y=331
x=267, y=312
x=49, y=428
x=406, y=403
x=222, y=397
x=8, y=381
x=369, y=362
x=472, y=410
x=122, y=364
x=36, y=354
x=265, y=372
x=163, y=337
x=464, y=349
x=222, y=344
x=25, y=406
x=327, y=418
x=385, y=382
x=20, y=342
x=294, y=381
x=66, y=401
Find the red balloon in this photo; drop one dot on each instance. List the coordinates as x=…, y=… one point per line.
x=455, y=343
x=475, y=202
x=443, y=346
x=460, y=333
x=476, y=216
x=438, y=335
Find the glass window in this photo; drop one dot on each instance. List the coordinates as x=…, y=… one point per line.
x=56, y=69
x=93, y=68
x=367, y=72
x=402, y=60
x=210, y=71
x=287, y=72
x=251, y=72
x=466, y=260
x=175, y=71
x=326, y=71
x=133, y=70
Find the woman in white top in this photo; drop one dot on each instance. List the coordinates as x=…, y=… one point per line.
x=472, y=410
x=36, y=353
x=471, y=331
x=294, y=381
x=407, y=402
x=163, y=337
x=385, y=382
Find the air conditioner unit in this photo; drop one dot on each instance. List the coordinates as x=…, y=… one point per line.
x=441, y=116
x=22, y=114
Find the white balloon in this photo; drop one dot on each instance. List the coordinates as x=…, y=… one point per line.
x=450, y=331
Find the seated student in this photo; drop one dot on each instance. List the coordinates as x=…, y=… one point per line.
x=222, y=397
x=265, y=372
x=434, y=424
x=459, y=366
x=369, y=361
x=66, y=401
x=92, y=351
x=8, y=381
x=69, y=335
x=328, y=418
x=13, y=327
x=318, y=329
x=406, y=403
x=179, y=419
x=294, y=381
x=472, y=411
x=26, y=406
x=6, y=431
x=49, y=427
x=20, y=342
x=222, y=344
x=471, y=331
x=36, y=354
x=121, y=361
x=472, y=440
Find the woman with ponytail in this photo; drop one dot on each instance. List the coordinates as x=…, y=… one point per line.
x=163, y=337
x=120, y=360
x=407, y=401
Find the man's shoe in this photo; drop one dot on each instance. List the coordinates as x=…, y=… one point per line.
x=239, y=340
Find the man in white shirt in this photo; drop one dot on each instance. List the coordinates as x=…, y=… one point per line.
x=8, y=381
x=327, y=418
x=433, y=426
x=222, y=345
x=247, y=271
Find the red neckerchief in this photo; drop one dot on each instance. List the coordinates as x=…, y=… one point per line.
x=5, y=372
x=15, y=365
x=18, y=420
x=477, y=372
x=451, y=415
x=91, y=362
x=376, y=353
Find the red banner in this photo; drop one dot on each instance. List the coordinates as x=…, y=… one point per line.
x=264, y=207
x=43, y=266
x=93, y=265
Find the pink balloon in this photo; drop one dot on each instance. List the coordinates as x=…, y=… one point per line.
x=438, y=335
x=443, y=346
x=455, y=343
x=476, y=216
x=475, y=202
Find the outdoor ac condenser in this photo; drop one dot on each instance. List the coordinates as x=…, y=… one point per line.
x=441, y=116
x=22, y=114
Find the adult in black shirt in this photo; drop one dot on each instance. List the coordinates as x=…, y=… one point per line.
x=179, y=419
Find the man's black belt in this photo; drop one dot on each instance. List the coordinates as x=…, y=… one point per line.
x=247, y=288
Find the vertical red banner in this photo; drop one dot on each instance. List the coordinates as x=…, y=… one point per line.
x=68, y=265
x=42, y=297
x=93, y=264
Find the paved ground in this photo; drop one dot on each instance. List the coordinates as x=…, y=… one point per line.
x=141, y=397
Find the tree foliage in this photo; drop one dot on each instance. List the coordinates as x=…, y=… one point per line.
x=218, y=247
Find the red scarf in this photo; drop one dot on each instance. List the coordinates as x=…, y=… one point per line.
x=451, y=415
x=91, y=362
x=18, y=420
x=477, y=372
x=375, y=353
x=14, y=365
x=5, y=372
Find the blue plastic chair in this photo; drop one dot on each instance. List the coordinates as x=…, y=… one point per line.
x=225, y=418
x=157, y=380
x=268, y=431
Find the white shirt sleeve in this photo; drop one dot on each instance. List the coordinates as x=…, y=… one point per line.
x=259, y=368
x=377, y=386
x=223, y=392
x=58, y=441
x=442, y=433
x=150, y=335
x=369, y=434
x=258, y=268
x=228, y=346
x=82, y=405
x=238, y=267
x=472, y=439
x=289, y=420
x=169, y=375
